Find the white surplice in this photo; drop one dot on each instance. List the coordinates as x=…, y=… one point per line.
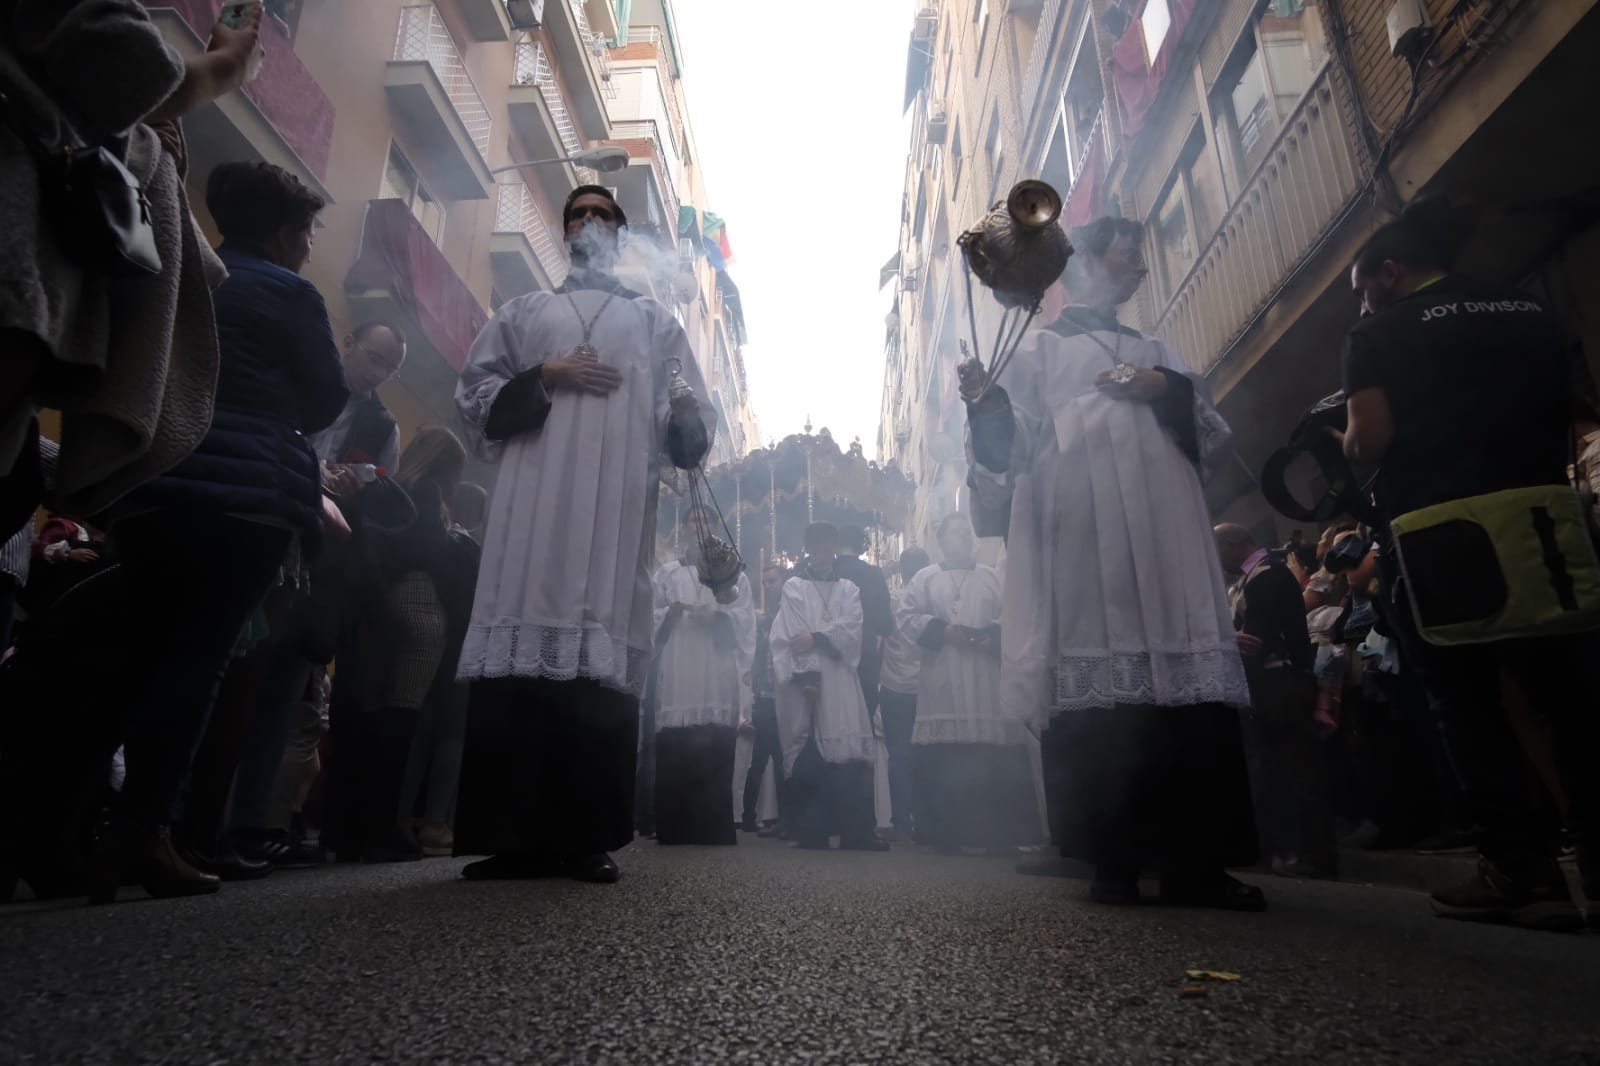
x=902, y=658
x=1114, y=593
x=843, y=723
x=958, y=696
x=696, y=683
x=569, y=546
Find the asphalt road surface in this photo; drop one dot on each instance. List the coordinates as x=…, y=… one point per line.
x=763, y=954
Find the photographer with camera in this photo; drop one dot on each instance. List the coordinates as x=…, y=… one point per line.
x=1459, y=395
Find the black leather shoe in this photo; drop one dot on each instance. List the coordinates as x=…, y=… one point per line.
x=224, y=863
x=1115, y=886
x=1218, y=891
x=866, y=844
x=509, y=866
x=596, y=869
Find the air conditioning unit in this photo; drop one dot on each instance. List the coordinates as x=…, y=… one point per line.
x=938, y=123
x=908, y=280
x=927, y=25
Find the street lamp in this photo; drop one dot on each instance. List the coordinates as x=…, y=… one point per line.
x=524, y=14
x=606, y=159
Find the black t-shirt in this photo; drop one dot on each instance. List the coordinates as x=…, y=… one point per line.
x=1477, y=384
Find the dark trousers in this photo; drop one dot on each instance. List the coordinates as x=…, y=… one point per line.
x=193, y=581
x=211, y=780
x=8, y=608
x=548, y=769
x=285, y=673
x=830, y=798
x=1420, y=794
x=899, y=711
x=644, y=784
x=768, y=748
x=1293, y=793
x=1559, y=676
x=370, y=752
x=694, y=766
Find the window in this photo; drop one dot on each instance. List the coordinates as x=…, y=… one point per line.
x=980, y=19
x=1083, y=100
x=1155, y=22
x=1056, y=170
x=994, y=148
x=956, y=162
x=287, y=12
x=1173, y=238
x=1189, y=214
x=1270, y=72
x=400, y=182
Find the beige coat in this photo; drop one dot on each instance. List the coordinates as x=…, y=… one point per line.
x=130, y=363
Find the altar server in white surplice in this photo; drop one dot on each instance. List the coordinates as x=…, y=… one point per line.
x=569, y=392
x=704, y=651
x=973, y=767
x=829, y=750
x=1118, y=640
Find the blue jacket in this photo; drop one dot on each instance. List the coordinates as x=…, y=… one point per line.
x=280, y=380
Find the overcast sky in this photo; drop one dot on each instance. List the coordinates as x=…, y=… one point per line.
x=797, y=116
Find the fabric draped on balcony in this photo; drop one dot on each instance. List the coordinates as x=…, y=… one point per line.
x=1086, y=201
x=1136, y=77
x=398, y=255
x=285, y=92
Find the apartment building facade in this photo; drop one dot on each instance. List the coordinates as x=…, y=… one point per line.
x=402, y=115
x=1260, y=141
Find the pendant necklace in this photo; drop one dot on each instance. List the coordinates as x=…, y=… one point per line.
x=585, y=350
x=829, y=584
x=1121, y=372
x=955, y=606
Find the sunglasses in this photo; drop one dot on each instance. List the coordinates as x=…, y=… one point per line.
x=604, y=214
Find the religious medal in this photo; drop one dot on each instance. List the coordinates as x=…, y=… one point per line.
x=585, y=350
x=1123, y=373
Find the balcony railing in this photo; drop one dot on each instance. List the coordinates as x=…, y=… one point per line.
x=597, y=47
x=424, y=36
x=532, y=67
x=1043, y=47
x=1303, y=183
x=647, y=131
x=518, y=212
x=657, y=37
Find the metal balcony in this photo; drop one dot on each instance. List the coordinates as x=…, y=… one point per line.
x=584, y=61
x=436, y=104
x=538, y=112
x=646, y=173
x=524, y=249
x=1298, y=190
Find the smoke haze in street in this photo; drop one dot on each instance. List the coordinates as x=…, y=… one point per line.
x=801, y=135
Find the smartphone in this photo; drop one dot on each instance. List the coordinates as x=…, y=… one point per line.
x=236, y=13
